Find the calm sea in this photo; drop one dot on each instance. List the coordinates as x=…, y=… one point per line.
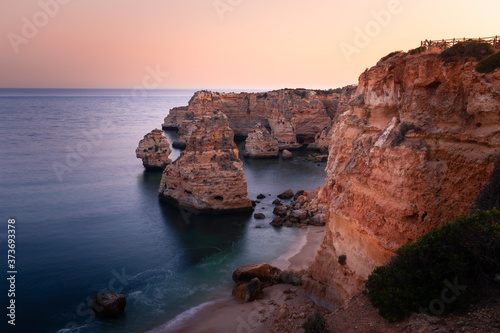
x=88, y=218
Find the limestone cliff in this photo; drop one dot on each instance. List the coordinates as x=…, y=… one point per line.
x=208, y=176
x=260, y=143
x=154, y=150
x=412, y=152
x=294, y=116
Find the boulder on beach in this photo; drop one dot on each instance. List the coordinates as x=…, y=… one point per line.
x=292, y=276
x=267, y=274
x=288, y=194
x=109, y=305
x=249, y=292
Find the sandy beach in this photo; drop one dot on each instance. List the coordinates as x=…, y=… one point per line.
x=234, y=315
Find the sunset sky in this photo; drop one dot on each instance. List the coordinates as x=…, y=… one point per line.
x=220, y=44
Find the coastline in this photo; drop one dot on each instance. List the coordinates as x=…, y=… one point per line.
x=233, y=315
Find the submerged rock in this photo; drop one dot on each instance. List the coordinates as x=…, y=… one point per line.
x=154, y=150
x=109, y=305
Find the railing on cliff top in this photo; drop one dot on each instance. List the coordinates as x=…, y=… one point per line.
x=443, y=44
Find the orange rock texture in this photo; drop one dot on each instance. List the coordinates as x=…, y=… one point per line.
x=413, y=151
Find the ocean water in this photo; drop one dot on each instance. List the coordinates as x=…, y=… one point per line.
x=88, y=218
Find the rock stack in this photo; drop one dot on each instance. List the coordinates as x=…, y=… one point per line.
x=154, y=150
x=260, y=143
x=208, y=176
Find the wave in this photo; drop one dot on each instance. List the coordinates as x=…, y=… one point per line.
x=180, y=320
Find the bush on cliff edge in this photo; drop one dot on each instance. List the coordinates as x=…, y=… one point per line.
x=472, y=48
x=442, y=271
x=489, y=64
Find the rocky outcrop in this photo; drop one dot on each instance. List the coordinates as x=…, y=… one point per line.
x=294, y=116
x=416, y=146
x=109, y=305
x=260, y=143
x=154, y=150
x=208, y=176
x=268, y=275
x=175, y=118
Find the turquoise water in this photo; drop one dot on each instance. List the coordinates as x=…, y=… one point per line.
x=88, y=218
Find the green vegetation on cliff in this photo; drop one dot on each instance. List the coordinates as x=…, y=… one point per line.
x=441, y=272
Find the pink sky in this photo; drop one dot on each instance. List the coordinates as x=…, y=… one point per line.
x=245, y=44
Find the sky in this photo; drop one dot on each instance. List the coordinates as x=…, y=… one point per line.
x=219, y=44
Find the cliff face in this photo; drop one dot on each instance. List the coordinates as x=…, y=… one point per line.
x=418, y=143
x=208, y=176
x=154, y=150
x=260, y=143
x=294, y=116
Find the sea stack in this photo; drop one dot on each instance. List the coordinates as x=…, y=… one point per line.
x=260, y=143
x=154, y=150
x=208, y=176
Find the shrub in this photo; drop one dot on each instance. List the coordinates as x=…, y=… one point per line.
x=342, y=259
x=463, y=252
x=390, y=55
x=418, y=50
x=471, y=48
x=315, y=324
x=489, y=64
x=300, y=92
x=403, y=129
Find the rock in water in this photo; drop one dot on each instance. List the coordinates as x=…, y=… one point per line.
x=260, y=143
x=208, y=176
x=109, y=305
x=288, y=194
x=286, y=154
x=154, y=150
x=259, y=216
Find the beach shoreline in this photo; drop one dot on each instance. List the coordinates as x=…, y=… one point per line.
x=233, y=315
